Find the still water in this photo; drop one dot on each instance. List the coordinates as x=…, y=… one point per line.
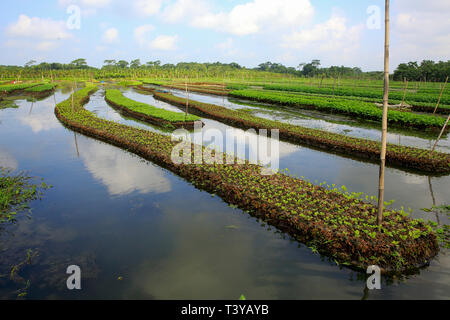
x=336, y=123
x=139, y=232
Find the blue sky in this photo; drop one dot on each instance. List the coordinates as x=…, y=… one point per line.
x=248, y=32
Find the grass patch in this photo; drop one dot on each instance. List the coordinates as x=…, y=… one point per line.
x=16, y=193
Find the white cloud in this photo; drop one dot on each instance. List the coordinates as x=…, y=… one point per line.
x=420, y=30
x=88, y=7
x=141, y=32
x=147, y=7
x=37, y=28
x=181, y=9
x=331, y=36
x=111, y=35
x=41, y=34
x=164, y=42
x=227, y=47
x=121, y=172
x=256, y=16
x=87, y=3
x=46, y=45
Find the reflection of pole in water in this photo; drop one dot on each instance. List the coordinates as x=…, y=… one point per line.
x=433, y=198
x=76, y=144
x=365, y=293
x=31, y=108
x=431, y=191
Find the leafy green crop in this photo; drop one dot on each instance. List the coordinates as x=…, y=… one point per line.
x=403, y=156
x=116, y=97
x=41, y=88
x=362, y=92
x=14, y=87
x=359, y=109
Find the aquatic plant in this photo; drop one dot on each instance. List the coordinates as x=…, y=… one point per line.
x=16, y=193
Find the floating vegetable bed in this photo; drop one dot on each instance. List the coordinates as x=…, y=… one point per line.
x=8, y=89
x=358, y=109
x=148, y=113
x=396, y=155
x=194, y=88
x=41, y=90
x=415, y=106
x=334, y=222
x=363, y=92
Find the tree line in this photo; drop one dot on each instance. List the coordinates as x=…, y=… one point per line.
x=427, y=70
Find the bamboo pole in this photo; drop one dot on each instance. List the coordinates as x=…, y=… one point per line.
x=384, y=121
x=440, y=96
x=440, y=135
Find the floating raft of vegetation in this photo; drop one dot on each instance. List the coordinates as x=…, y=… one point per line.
x=358, y=109
x=41, y=90
x=148, y=113
x=429, y=107
x=14, y=88
x=335, y=223
x=396, y=155
x=194, y=88
x=363, y=92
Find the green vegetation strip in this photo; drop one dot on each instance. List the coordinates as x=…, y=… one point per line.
x=358, y=109
x=127, y=83
x=16, y=192
x=15, y=87
x=400, y=156
x=146, y=112
x=43, y=88
x=334, y=222
x=362, y=92
x=193, y=88
x=414, y=105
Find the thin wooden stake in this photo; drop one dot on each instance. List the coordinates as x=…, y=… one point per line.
x=384, y=122
x=72, y=99
x=334, y=85
x=442, y=132
x=404, y=93
x=187, y=100
x=440, y=96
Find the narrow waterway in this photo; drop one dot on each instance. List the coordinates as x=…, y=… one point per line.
x=139, y=232
x=329, y=122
